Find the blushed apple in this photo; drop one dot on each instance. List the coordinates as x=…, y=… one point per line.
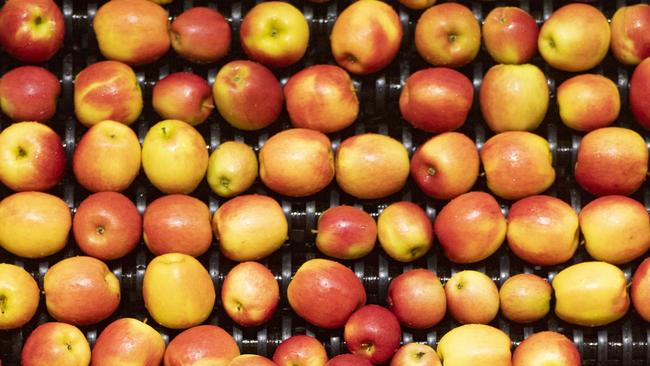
x=405, y=231
x=472, y=297
x=640, y=290
x=640, y=92
x=29, y=93
x=250, y=294
x=546, y=348
x=525, y=298
x=128, y=340
x=510, y=35
x=232, y=169
x=373, y=332
x=588, y=101
x=490, y=346
x=300, y=350
x=19, y=296
x=201, y=345
x=348, y=359
x=346, y=232
x=417, y=299
x=630, y=26
x=417, y=4
x=183, y=96
x=55, y=343
x=415, y=354
x=251, y=360
x=200, y=34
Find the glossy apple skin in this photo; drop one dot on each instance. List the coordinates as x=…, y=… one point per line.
x=300, y=350
x=20, y=296
x=251, y=360
x=630, y=33
x=370, y=166
x=177, y=223
x=525, y=298
x=240, y=84
x=31, y=157
x=640, y=290
x=575, y=38
x=405, y=231
x=373, y=332
x=107, y=226
x=542, y=230
x=472, y=297
x=55, y=343
x=590, y=294
x=126, y=341
x=322, y=98
x=436, y=99
x=232, y=169
x=417, y=299
x=417, y=4
x=25, y=39
x=510, y=35
x=588, y=101
x=415, y=354
x=184, y=96
x=348, y=359
x=250, y=294
x=132, y=31
x=611, y=160
x=489, y=346
x=29, y=93
x=346, y=232
x=640, y=93
x=201, y=345
x=250, y=227
x=325, y=293
x=201, y=34
x=448, y=35
x=546, y=348
x=471, y=227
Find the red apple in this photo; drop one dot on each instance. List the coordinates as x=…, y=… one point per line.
x=201, y=345
x=415, y=354
x=640, y=291
x=472, y=297
x=346, y=232
x=251, y=360
x=588, y=101
x=510, y=35
x=184, y=96
x=525, y=298
x=546, y=348
x=128, y=341
x=29, y=93
x=19, y=296
x=55, y=344
x=417, y=299
x=250, y=294
x=200, y=34
x=630, y=33
x=404, y=231
x=348, y=359
x=373, y=332
x=640, y=93
x=300, y=350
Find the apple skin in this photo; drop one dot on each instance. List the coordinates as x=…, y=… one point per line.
x=525, y=89
x=415, y=354
x=126, y=341
x=232, y=169
x=575, y=38
x=630, y=25
x=250, y=294
x=417, y=4
x=588, y=101
x=178, y=291
x=510, y=35
x=274, y=33
x=472, y=297
x=590, y=294
x=370, y=166
x=107, y=90
x=29, y=93
x=55, y=343
x=471, y=227
x=322, y=98
x=405, y=231
x=107, y=158
x=177, y=223
x=34, y=224
x=201, y=345
x=241, y=83
x=373, y=332
x=639, y=92
x=31, y=157
x=250, y=227
x=436, y=99
x=525, y=298
x=32, y=30
x=183, y=96
x=366, y=36
x=417, y=299
x=107, y=226
x=448, y=35
x=542, y=230
x=251, y=360
x=346, y=232
x=446, y=166
x=489, y=346
x=348, y=359
x=174, y=156
x=325, y=293
x=300, y=350
x=19, y=296
x=132, y=31
x=201, y=34
x=546, y=348
x=640, y=290
x=611, y=161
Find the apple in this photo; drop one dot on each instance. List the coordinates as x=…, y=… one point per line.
x=448, y=35
x=639, y=92
x=250, y=227
x=546, y=348
x=611, y=161
x=630, y=25
x=177, y=223
x=417, y=4
x=525, y=298
x=107, y=226
x=436, y=99
x=510, y=35
x=405, y=231
x=34, y=224
x=415, y=354
x=32, y=30
x=201, y=345
x=346, y=232
x=240, y=84
x=574, y=38
x=128, y=340
x=588, y=101
x=31, y=157
x=183, y=96
x=200, y=34
x=132, y=31
x=174, y=156
x=107, y=90
x=472, y=297
x=591, y=294
x=55, y=343
x=322, y=98
x=446, y=166
x=373, y=332
x=489, y=346
x=471, y=227
x=178, y=291
x=300, y=350
x=348, y=359
x=232, y=169
x=19, y=296
x=29, y=93
x=325, y=293
x=250, y=294
x=251, y=360
x=370, y=166
x=107, y=158
x=640, y=290
x=417, y=299
x=366, y=36
x=274, y=33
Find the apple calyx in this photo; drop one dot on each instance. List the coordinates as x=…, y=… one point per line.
x=419, y=355
x=431, y=171
x=368, y=348
x=100, y=230
x=452, y=38
x=20, y=152
x=3, y=303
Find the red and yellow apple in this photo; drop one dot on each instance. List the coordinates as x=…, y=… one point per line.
x=472, y=297
x=417, y=299
x=510, y=35
x=405, y=231
x=546, y=348
x=55, y=343
x=250, y=294
x=630, y=33
x=489, y=346
x=525, y=298
x=587, y=102
x=348, y=359
x=251, y=360
x=183, y=96
x=201, y=345
x=640, y=93
x=200, y=34
x=415, y=354
x=346, y=232
x=19, y=296
x=300, y=350
x=640, y=290
x=373, y=332
x=29, y=93
x=128, y=341
x=232, y=169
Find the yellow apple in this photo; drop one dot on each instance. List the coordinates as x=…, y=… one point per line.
x=475, y=345
x=232, y=168
x=19, y=296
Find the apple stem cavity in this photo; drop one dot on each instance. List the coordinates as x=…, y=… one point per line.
x=21, y=152
x=452, y=38
x=3, y=303
x=68, y=346
x=419, y=355
x=367, y=347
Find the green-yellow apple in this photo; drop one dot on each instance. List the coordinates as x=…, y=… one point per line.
x=475, y=345
x=640, y=290
x=300, y=350
x=417, y=4
x=472, y=297
x=510, y=35
x=346, y=232
x=29, y=93
x=200, y=34
x=525, y=298
x=201, y=345
x=587, y=102
x=373, y=332
x=250, y=294
x=348, y=359
x=19, y=296
x=405, y=231
x=640, y=92
x=251, y=360
x=128, y=341
x=183, y=96
x=417, y=299
x=55, y=343
x=546, y=348
x=415, y=354
x=630, y=40
x=232, y=168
